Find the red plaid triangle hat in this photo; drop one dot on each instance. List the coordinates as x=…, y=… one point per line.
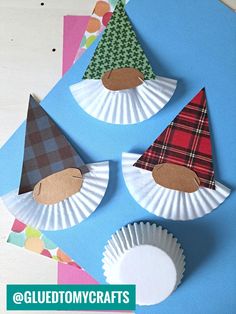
x=46, y=149
x=186, y=142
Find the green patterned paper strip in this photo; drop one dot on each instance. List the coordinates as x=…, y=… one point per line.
x=119, y=48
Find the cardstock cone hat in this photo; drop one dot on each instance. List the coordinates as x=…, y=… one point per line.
x=47, y=150
x=185, y=142
x=119, y=48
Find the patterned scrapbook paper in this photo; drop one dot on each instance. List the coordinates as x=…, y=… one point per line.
x=32, y=239
x=119, y=48
x=186, y=141
x=98, y=21
x=46, y=149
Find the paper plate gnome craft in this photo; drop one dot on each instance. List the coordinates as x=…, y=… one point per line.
x=57, y=190
x=119, y=85
x=174, y=178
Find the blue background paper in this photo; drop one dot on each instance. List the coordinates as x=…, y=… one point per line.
x=195, y=42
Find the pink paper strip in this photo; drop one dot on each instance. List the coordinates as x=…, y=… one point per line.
x=70, y=275
x=74, y=28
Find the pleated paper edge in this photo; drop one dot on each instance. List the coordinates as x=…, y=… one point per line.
x=161, y=89
x=114, y=249
x=80, y=197
x=128, y=159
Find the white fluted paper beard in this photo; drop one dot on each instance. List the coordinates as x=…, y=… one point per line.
x=127, y=106
x=167, y=203
x=66, y=213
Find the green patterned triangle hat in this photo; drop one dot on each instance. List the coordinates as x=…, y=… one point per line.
x=119, y=85
x=119, y=48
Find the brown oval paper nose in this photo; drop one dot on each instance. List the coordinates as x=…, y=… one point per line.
x=58, y=186
x=176, y=177
x=123, y=78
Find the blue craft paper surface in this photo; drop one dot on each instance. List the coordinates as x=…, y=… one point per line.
x=194, y=42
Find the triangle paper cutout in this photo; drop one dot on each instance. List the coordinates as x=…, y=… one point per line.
x=119, y=48
x=186, y=142
x=47, y=150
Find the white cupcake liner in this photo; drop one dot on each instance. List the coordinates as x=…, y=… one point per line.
x=127, y=106
x=167, y=203
x=149, y=238
x=66, y=213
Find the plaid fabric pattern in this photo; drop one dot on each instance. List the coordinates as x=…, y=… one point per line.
x=46, y=149
x=186, y=142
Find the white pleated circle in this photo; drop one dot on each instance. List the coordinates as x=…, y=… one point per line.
x=66, y=213
x=127, y=106
x=167, y=203
x=148, y=256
